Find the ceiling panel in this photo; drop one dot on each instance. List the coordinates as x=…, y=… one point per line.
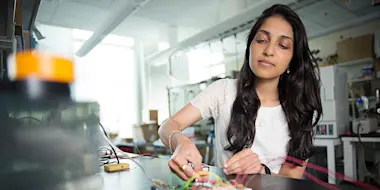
x=311, y=26
x=330, y=14
x=359, y=7
x=367, y=11
x=354, y=5
x=76, y=15
x=141, y=28
x=191, y=13
x=46, y=11
x=102, y=4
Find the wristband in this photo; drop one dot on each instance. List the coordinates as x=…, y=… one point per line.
x=267, y=170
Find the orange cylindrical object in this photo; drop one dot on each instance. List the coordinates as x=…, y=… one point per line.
x=43, y=66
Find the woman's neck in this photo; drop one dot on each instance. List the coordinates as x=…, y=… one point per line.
x=267, y=90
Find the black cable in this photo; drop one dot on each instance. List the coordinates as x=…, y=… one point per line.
x=113, y=150
x=31, y=118
x=363, y=147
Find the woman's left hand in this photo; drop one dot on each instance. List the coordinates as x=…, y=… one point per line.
x=245, y=161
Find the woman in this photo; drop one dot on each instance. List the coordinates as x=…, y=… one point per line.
x=266, y=115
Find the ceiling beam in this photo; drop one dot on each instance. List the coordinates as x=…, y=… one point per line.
x=117, y=15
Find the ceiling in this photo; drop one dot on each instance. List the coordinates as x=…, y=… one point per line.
x=188, y=13
x=334, y=12
x=151, y=22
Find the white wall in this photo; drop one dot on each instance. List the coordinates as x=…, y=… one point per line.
x=327, y=44
x=58, y=40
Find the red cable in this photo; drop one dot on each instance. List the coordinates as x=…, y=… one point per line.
x=320, y=182
x=313, y=178
x=326, y=171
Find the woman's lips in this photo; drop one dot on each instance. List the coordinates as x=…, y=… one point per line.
x=266, y=63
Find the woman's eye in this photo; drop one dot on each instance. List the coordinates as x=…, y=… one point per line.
x=260, y=41
x=283, y=47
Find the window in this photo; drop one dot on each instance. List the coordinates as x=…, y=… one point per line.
x=203, y=64
x=107, y=75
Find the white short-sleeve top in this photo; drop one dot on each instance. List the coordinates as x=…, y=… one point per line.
x=272, y=133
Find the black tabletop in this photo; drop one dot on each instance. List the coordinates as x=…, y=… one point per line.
x=158, y=169
x=373, y=134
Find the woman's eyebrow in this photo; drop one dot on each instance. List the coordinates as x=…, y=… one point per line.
x=264, y=31
x=287, y=37
x=268, y=33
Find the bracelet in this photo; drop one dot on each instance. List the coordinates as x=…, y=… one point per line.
x=170, y=139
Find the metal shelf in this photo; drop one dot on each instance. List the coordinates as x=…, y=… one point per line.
x=358, y=62
x=370, y=98
x=361, y=80
x=6, y=44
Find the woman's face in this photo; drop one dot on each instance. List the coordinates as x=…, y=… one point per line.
x=272, y=48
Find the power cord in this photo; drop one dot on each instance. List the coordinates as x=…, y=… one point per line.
x=113, y=150
x=368, y=173
x=156, y=182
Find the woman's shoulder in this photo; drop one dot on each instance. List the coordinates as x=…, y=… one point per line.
x=225, y=83
x=225, y=86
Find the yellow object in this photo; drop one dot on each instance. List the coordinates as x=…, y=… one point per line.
x=43, y=66
x=116, y=167
x=203, y=173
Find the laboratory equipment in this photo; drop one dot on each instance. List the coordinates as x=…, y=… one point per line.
x=48, y=141
x=364, y=125
x=335, y=104
x=377, y=107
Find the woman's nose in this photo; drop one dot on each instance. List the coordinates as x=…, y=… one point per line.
x=268, y=51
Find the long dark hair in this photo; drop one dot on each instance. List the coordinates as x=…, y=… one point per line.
x=298, y=93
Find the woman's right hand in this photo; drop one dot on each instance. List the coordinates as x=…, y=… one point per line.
x=185, y=153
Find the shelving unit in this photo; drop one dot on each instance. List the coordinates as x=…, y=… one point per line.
x=354, y=68
x=16, y=19
x=7, y=28
x=361, y=80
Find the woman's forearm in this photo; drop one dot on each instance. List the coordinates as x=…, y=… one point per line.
x=166, y=129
